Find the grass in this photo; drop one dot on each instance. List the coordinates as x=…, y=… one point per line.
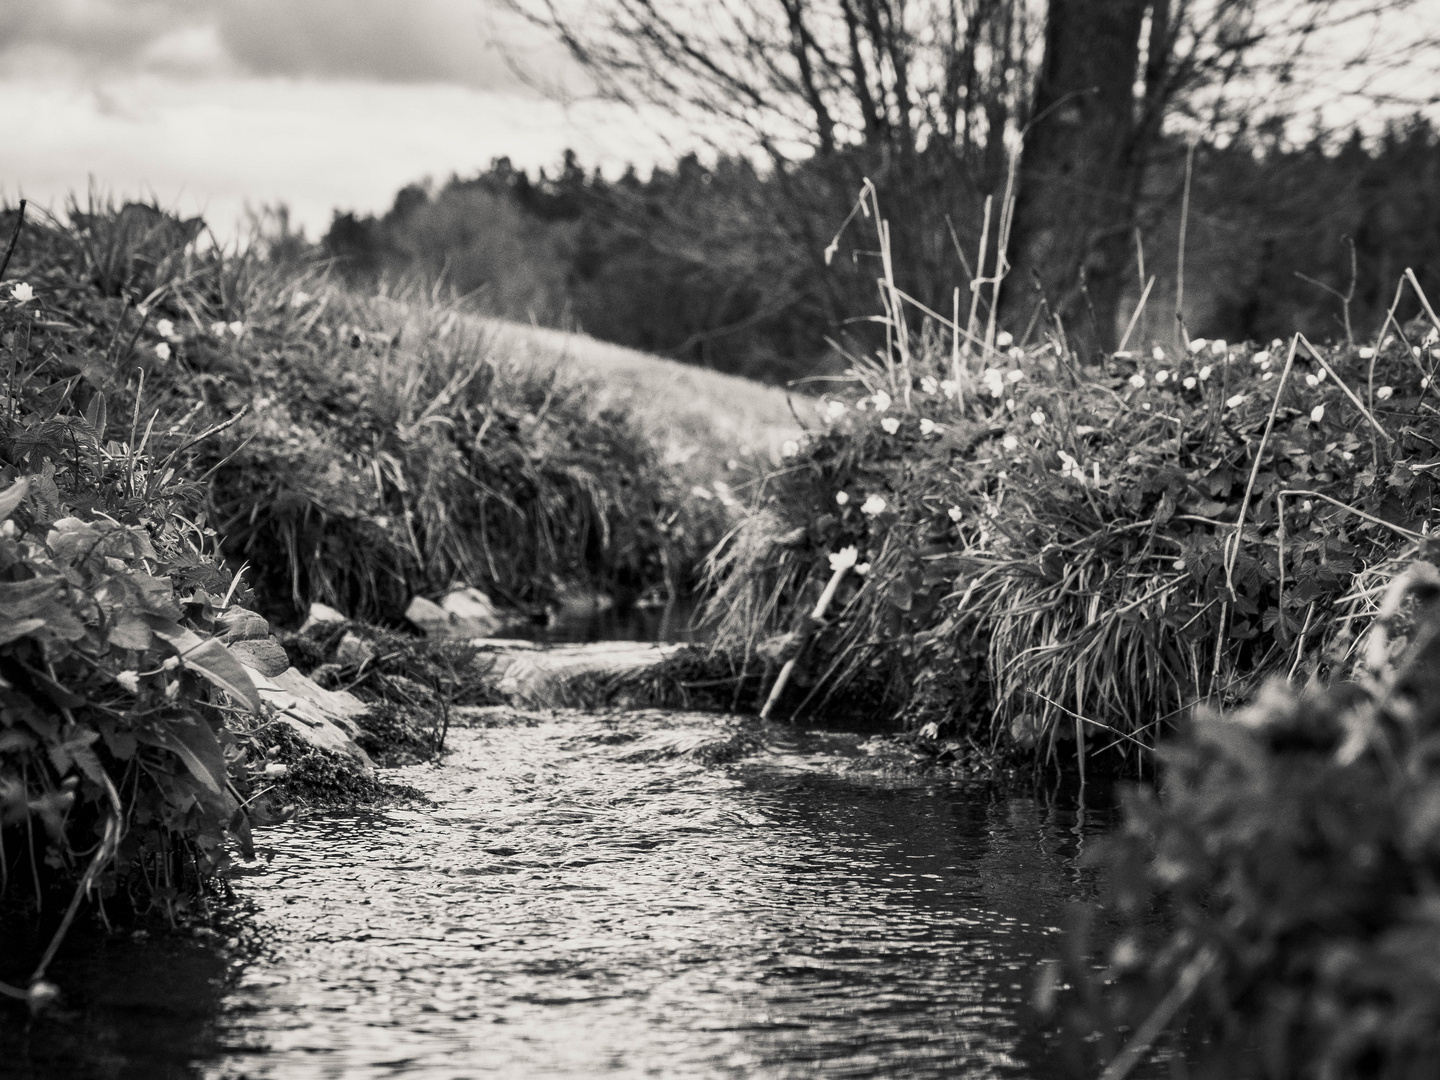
x=1064, y=556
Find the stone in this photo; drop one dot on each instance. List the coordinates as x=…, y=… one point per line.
x=321, y=615
x=353, y=650
x=266, y=655
x=463, y=613
x=241, y=624
x=473, y=613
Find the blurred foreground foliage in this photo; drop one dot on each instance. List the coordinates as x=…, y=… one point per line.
x=1273, y=910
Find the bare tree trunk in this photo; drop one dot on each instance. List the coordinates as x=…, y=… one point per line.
x=1077, y=196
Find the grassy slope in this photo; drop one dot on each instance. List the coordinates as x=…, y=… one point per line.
x=689, y=413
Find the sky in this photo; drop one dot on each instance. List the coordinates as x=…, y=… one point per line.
x=210, y=105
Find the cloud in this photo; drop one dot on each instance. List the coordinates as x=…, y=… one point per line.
x=445, y=42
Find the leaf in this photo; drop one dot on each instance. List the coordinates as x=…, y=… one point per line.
x=130, y=631
x=21, y=598
x=198, y=749
x=95, y=415
x=157, y=596
x=10, y=629
x=12, y=497
x=210, y=658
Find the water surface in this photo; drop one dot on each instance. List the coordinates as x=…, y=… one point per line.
x=634, y=895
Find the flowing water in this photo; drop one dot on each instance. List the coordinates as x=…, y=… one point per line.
x=641, y=894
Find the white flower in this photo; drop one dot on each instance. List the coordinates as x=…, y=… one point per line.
x=1311, y=381
x=22, y=292
x=1037, y=418
x=162, y=350
x=845, y=558
x=276, y=771
x=130, y=680
x=873, y=504
x=1070, y=468
x=1415, y=350
x=1320, y=375
x=1016, y=353
x=929, y=385
x=1015, y=376
x=842, y=497
x=1367, y=353
x=835, y=409
x=1385, y=392
x=300, y=299
x=1431, y=336
x=1235, y=402
x=1161, y=376
x=1425, y=382
x=928, y=426
x=862, y=568
x=890, y=424
x=1196, y=344
x=1178, y=564
x=1157, y=354
x=1003, y=340
x=1261, y=357
x=1317, y=414
x=165, y=328
x=1137, y=381
x=1267, y=375
x=1347, y=455
x=1010, y=404
x=1010, y=442
x=1189, y=383
x=1218, y=347
x=949, y=387
x=217, y=329
x=789, y=448
x=881, y=400
x=954, y=514
x=237, y=328
x=1205, y=372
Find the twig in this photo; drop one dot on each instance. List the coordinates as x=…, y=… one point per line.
x=1234, y=553
x=1139, y=310
x=1182, y=336
x=1146, y=1034
x=19, y=222
x=1348, y=392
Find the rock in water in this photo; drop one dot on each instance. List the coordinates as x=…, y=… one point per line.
x=321, y=615
x=464, y=613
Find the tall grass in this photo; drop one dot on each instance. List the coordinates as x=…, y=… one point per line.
x=1072, y=552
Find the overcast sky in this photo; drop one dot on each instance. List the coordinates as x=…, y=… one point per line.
x=208, y=104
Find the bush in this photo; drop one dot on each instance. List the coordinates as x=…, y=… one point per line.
x=1058, y=552
x=1290, y=857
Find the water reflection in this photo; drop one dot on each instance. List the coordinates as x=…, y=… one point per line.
x=588, y=898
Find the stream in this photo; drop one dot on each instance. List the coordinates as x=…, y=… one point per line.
x=636, y=894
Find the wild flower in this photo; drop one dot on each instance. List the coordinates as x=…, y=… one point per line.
x=835, y=409
x=1218, y=347
x=954, y=514
x=1037, y=418
x=165, y=328
x=928, y=426
x=1189, y=382
x=1197, y=344
x=22, y=292
x=237, y=328
x=1385, y=393
x=1016, y=353
x=1010, y=442
x=1003, y=340
x=873, y=505
x=276, y=771
x=1317, y=414
x=130, y=680
x=1235, y=402
x=1312, y=381
x=949, y=387
x=789, y=448
x=890, y=424
x=1157, y=354
x=1010, y=404
x=881, y=400
x=845, y=558
x=1267, y=375
x=929, y=385
x=994, y=382
x=1161, y=376
x=1262, y=357
x=1366, y=353
x=217, y=329
x=862, y=568
x=300, y=298
x=162, y=350
x=1015, y=375
x=1071, y=468
x=1137, y=381
x=1205, y=372
x=842, y=497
